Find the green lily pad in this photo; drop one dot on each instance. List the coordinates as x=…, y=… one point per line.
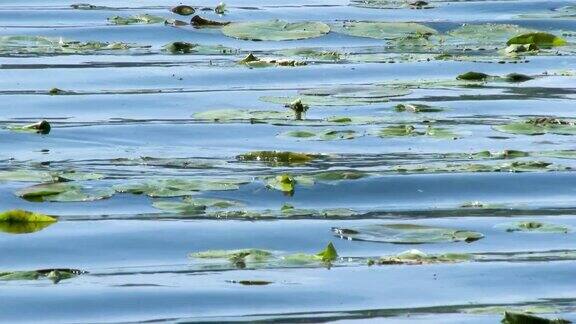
x=522, y=318
x=529, y=309
x=19, y=221
x=416, y=257
x=535, y=227
x=177, y=187
x=539, y=126
x=417, y=108
x=406, y=234
x=183, y=10
x=342, y=96
x=486, y=34
x=194, y=205
x=192, y=48
x=277, y=157
x=338, y=175
x=41, y=127
x=312, y=54
x=473, y=76
x=55, y=275
x=321, y=135
x=258, y=62
x=137, y=19
x=539, y=38
x=329, y=254
x=28, y=45
x=285, y=183
x=275, y=30
x=384, y=30
x=410, y=130
x=63, y=192
x=232, y=115
x=26, y=176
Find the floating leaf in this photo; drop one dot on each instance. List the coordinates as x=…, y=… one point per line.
x=137, y=19
x=285, y=183
x=417, y=108
x=251, y=282
x=199, y=22
x=275, y=30
x=540, y=126
x=19, y=221
x=338, y=175
x=178, y=187
x=41, y=127
x=252, y=61
x=193, y=205
x=416, y=257
x=385, y=30
x=536, y=227
x=406, y=234
x=220, y=8
x=473, y=76
x=321, y=135
x=56, y=275
x=517, y=77
x=277, y=157
x=232, y=115
x=539, y=39
x=312, y=54
x=521, y=318
x=63, y=192
x=190, y=48
x=342, y=95
x=183, y=10
x=329, y=254
x=486, y=34
x=410, y=130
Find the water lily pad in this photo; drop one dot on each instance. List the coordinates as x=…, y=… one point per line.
x=328, y=254
x=232, y=115
x=416, y=257
x=255, y=62
x=473, y=76
x=19, y=221
x=535, y=227
x=406, y=234
x=417, y=108
x=34, y=45
x=285, y=183
x=178, y=187
x=63, y=192
x=199, y=22
x=522, y=318
x=275, y=30
x=183, y=10
x=486, y=34
x=540, y=39
x=540, y=126
x=312, y=54
x=321, y=135
x=55, y=275
x=411, y=130
x=384, y=30
x=199, y=49
x=338, y=175
x=137, y=19
x=194, y=205
x=41, y=127
x=277, y=157
x=342, y=95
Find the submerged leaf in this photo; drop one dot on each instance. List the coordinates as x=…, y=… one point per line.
x=275, y=30
x=406, y=234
